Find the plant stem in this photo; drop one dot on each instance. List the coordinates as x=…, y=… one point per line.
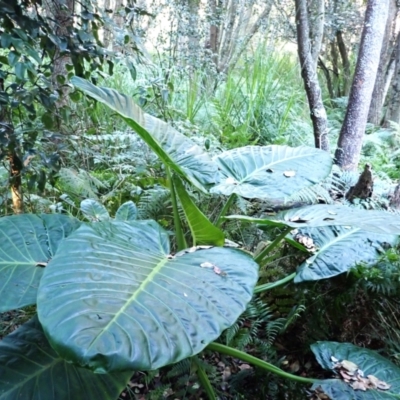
x=225, y=209
x=271, y=285
x=272, y=245
x=230, y=351
x=180, y=238
x=203, y=379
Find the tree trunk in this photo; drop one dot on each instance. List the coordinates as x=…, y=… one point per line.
x=351, y=136
x=335, y=69
x=106, y=29
x=239, y=49
x=345, y=62
x=61, y=11
x=310, y=78
x=16, y=183
x=214, y=31
x=375, y=109
x=393, y=111
x=317, y=17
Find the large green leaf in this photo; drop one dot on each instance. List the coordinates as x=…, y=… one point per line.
x=94, y=211
x=203, y=231
x=113, y=298
x=368, y=361
x=176, y=150
x=126, y=212
x=27, y=243
x=327, y=215
x=340, y=248
x=31, y=369
x=270, y=172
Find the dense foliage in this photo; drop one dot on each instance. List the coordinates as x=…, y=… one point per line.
x=175, y=233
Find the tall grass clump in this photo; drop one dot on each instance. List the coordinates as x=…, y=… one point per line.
x=261, y=101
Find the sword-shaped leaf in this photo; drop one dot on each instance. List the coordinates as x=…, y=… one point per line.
x=175, y=149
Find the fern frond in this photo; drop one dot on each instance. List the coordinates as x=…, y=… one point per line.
x=180, y=368
x=154, y=203
x=78, y=183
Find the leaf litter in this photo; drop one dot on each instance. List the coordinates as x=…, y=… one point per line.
x=354, y=376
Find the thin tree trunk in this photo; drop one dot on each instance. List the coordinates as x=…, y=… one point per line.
x=238, y=50
x=317, y=28
x=345, y=62
x=16, y=183
x=335, y=69
x=227, y=33
x=310, y=77
x=61, y=12
x=375, y=109
x=327, y=74
x=389, y=75
x=214, y=31
x=106, y=30
x=349, y=145
x=393, y=111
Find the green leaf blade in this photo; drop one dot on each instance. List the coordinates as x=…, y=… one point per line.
x=203, y=231
x=94, y=211
x=31, y=369
x=125, y=303
x=370, y=362
x=28, y=242
x=126, y=212
x=340, y=249
x=176, y=150
x=270, y=172
x=328, y=215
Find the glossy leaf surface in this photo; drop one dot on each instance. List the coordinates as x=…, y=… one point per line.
x=114, y=298
x=339, y=249
x=270, y=172
x=126, y=212
x=31, y=369
x=203, y=231
x=370, y=362
x=175, y=149
x=94, y=211
x=27, y=243
x=328, y=215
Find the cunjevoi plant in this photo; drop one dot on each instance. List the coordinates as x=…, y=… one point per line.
x=112, y=297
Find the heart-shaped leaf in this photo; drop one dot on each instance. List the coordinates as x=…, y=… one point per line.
x=114, y=298
x=270, y=172
x=339, y=249
x=31, y=369
x=94, y=211
x=328, y=215
x=367, y=361
x=27, y=243
x=126, y=212
x=176, y=150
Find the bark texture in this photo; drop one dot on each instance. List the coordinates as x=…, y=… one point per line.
x=310, y=77
x=393, y=111
x=364, y=187
x=61, y=11
x=375, y=110
x=345, y=62
x=317, y=16
x=349, y=145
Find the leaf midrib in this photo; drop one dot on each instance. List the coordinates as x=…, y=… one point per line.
x=267, y=166
x=135, y=294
